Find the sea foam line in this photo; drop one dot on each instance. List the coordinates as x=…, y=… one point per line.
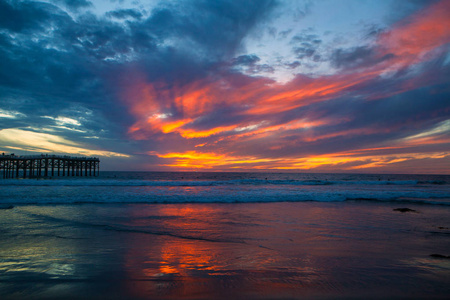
x=115, y=182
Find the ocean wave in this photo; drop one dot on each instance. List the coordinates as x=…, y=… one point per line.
x=259, y=197
x=168, y=201
x=235, y=182
x=153, y=187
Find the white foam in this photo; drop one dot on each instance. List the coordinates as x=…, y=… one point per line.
x=225, y=187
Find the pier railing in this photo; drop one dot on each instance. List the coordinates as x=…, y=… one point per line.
x=44, y=165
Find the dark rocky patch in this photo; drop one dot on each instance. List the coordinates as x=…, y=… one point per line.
x=404, y=209
x=6, y=206
x=439, y=256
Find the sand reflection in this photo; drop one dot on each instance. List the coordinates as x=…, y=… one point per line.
x=206, y=249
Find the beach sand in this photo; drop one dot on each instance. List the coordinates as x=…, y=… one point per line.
x=305, y=250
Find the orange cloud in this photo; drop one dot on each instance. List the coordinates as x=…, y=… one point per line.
x=178, y=109
x=361, y=159
x=198, y=160
x=412, y=39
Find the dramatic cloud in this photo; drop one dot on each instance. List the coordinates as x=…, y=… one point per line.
x=229, y=85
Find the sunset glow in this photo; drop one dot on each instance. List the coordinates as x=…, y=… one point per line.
x=282, y=92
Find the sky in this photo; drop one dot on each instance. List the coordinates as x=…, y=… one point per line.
x=358, y=86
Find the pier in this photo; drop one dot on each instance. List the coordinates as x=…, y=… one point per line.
x=44, y=165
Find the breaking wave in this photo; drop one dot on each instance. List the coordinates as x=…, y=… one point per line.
x=129, y=187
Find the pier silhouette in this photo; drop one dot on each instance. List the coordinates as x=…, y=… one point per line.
x=44, y=165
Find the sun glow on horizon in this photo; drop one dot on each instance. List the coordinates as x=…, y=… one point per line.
x=282, y=86
x=262, y=109
x=28, y=140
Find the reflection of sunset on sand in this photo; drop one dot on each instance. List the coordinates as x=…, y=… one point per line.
x=215, y=250
x=211, y=250
x=223, y=250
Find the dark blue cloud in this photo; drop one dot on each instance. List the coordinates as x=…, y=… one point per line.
x=306, y=46
x=125, y=13
x=21, y=16
x=60, y=59
x=246, y=60
x=249, y=64
x=52, y=61
x=74, y=5
x=361, y=56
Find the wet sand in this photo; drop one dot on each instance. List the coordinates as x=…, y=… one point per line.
x=307, y=250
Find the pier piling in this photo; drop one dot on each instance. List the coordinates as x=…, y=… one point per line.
x=36, y=166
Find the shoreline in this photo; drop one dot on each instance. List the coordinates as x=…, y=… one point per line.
x=284, y=250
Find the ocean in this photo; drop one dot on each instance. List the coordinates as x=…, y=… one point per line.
x=210, y=235
x=206, y=187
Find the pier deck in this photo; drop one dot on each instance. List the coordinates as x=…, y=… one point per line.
x=44, y=165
